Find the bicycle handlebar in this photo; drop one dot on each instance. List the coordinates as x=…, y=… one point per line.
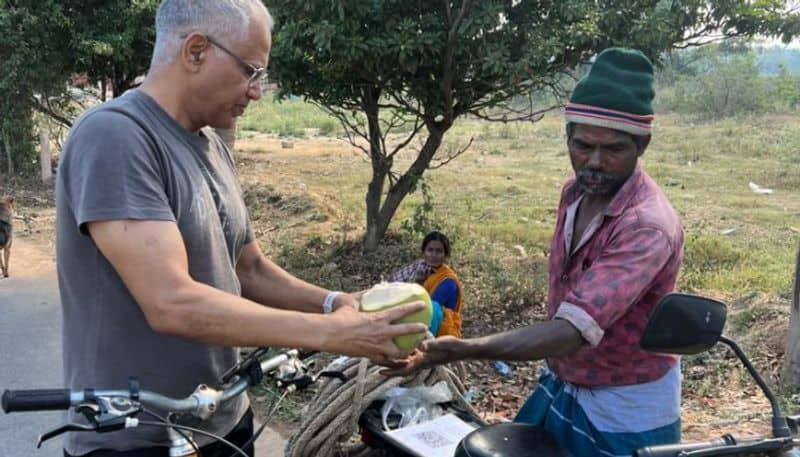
x=61, y=399
x=36, y=400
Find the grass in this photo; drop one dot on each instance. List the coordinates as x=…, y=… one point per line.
x=503, y=191
x=289, y=118
x=295, y=118
x=497, y=202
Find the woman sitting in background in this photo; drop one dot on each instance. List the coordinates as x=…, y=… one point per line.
x=440, y=281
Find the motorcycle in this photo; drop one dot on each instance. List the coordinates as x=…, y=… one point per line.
x=680, y=324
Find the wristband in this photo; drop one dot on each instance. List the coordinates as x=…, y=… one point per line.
x=327, y=304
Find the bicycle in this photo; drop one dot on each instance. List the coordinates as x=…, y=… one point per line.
x=111, y=410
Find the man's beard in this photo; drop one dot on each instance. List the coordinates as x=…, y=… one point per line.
x=599, y=183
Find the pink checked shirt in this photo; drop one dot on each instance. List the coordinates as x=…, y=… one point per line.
x=627, y=259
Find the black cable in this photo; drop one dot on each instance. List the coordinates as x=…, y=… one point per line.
x=266, y=421
x=197, y=430
x=180, y=432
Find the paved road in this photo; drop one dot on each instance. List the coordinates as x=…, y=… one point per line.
x=30, y=352
x=30, y=347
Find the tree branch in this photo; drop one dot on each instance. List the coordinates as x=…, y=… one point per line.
x=47, y=110
x=418, y=124
x=448, y=62
x=350, y=128
x=403, y=104
x=532, y=116
x=451, y=157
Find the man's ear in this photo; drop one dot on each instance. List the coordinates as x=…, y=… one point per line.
x=194, y=51
x=643, y=143
x=10, y=200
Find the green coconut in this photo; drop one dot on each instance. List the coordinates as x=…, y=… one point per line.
x=387, y=295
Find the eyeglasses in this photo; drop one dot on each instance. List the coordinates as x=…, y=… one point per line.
x=256, y=76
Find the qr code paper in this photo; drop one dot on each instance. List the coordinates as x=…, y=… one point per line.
x=433, y=439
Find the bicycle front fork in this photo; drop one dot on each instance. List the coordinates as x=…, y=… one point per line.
x=180, y=446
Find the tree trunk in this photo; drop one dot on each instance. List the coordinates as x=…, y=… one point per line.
x=791, y=367
x=103, y=88
x=376, y=227
x=45, y=157
x=380, y=215
x=372, y=239
x=120, y=85
x=2, y=151
x=9, y=156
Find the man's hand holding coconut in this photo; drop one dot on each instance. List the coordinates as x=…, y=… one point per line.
x=401, y=311
x=367, y=333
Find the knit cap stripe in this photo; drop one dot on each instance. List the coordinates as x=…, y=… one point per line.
x=611, y=123
x=641, y=118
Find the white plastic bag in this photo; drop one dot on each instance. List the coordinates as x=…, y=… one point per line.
x=415, y=405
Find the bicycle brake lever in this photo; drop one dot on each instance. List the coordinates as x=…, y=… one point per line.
x=299, y=382
x=63, y=429
x=89, y=411
x=332, y=374
x=244, y=365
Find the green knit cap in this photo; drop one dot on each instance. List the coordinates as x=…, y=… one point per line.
x=617, y=93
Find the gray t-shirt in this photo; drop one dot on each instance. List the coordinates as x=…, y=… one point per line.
x=128, y=159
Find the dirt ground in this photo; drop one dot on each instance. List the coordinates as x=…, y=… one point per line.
x=729, y=410
x=498, y=397
x=34, y=226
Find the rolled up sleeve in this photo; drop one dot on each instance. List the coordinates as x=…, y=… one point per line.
x=581, y=320
x=616, y=280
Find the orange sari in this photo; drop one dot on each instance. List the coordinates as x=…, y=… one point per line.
x=451, y=324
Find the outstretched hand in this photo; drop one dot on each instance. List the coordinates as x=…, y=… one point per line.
x=430, y=353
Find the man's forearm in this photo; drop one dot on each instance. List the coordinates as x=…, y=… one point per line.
x=268, y=284
x=202, y=313
x=537, y=341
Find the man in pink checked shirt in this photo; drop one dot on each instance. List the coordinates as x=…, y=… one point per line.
x=616, y=250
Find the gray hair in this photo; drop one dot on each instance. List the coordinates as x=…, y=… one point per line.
x=225, y=20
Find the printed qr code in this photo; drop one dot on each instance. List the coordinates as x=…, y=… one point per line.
x=433, y=439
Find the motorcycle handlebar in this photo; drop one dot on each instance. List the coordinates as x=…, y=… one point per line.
x=674, y=450
x=726, y=445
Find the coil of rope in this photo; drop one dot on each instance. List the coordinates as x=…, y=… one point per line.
x=329, y=425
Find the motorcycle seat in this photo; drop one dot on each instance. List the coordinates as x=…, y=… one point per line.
x=509, y=440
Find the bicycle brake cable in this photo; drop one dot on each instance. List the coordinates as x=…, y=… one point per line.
x=266, y=421
x=236, y=448
x=180, y=432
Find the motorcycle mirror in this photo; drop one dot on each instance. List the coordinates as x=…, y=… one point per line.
x=684, y=324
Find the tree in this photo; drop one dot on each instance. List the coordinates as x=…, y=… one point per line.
x=415, y=66
x=717, y=81
x=45, y=42
x=115, y=39
x=34, y=62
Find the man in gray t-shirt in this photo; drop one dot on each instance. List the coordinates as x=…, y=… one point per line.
x=160, y=275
